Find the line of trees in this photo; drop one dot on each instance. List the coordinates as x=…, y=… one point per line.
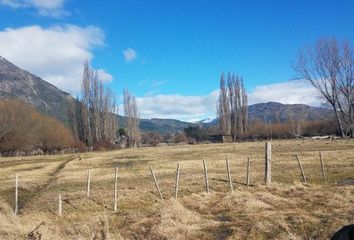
x=93, y=116
x=329, y=67
x=232, y=107
x=258, y=129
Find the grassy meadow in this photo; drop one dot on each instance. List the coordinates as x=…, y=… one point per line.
x=287, y=209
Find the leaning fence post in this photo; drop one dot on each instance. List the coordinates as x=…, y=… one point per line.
x=60, y=209
x=322, y=167
x=229, y=174
x=16, y=195
x=248, y=171
x=88, y=184
x=156, y=184
x=301, y=169
x=268, y=163
x=177, y=181
x=206, y=176
x=115, y=189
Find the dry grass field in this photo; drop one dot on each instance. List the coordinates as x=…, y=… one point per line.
x=288, y=209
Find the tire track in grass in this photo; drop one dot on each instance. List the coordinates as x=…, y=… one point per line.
x=31, y=196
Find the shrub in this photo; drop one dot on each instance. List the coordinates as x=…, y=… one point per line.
x=22, y=128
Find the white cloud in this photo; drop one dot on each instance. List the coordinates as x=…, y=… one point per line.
x=177, y=106
x=152, y=86
x=129, y=54
x=290, y=92
x=12, y=3
x=192, y=108
x=154, y=83
x=56, y=54
x=48, y=4
x=104, y=76
x=53, y=8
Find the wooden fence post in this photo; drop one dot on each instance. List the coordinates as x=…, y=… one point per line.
x=156, y=184
x=268, y=163
x=301, y=169
x=16, y=195
x=88, y=184
x=206, y=176
x=229, y=174
x=60, y=209
x=177, y=181
x=322, y=168
x=248, y=172
x=115, y=189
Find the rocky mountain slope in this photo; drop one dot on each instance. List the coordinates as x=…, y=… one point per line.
x=20, y=84
x=280, y=113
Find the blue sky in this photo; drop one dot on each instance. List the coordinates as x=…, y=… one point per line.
x=174, y=51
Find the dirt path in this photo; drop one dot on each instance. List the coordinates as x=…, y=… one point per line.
x=32, y=196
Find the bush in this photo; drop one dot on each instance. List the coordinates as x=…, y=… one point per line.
x=197, y=133
x=22, y=128
x=180, y=138
x=152, y=138
x=103, y=146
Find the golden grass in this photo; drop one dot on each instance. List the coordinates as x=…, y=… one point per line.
x=288, y=209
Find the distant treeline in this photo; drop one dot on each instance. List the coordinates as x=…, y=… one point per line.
x=23, y=129
x=261, y=130
x=258, y=130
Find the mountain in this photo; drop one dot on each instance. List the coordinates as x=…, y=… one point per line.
x=161, y=126
x=20, y=84
x=50, y=100
x=279, y=113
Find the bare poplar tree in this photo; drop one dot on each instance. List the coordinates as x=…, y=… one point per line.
x=223, y=108
x=232, y=107
x=244, y=108
x=233, y=104
x=238, y=106
x=328, y=66
x=94, y=118
x=131, y=118
x=346, y=86
x=85, y=105
x=297, y=117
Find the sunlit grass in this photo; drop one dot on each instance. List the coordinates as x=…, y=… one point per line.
x=288, y=209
